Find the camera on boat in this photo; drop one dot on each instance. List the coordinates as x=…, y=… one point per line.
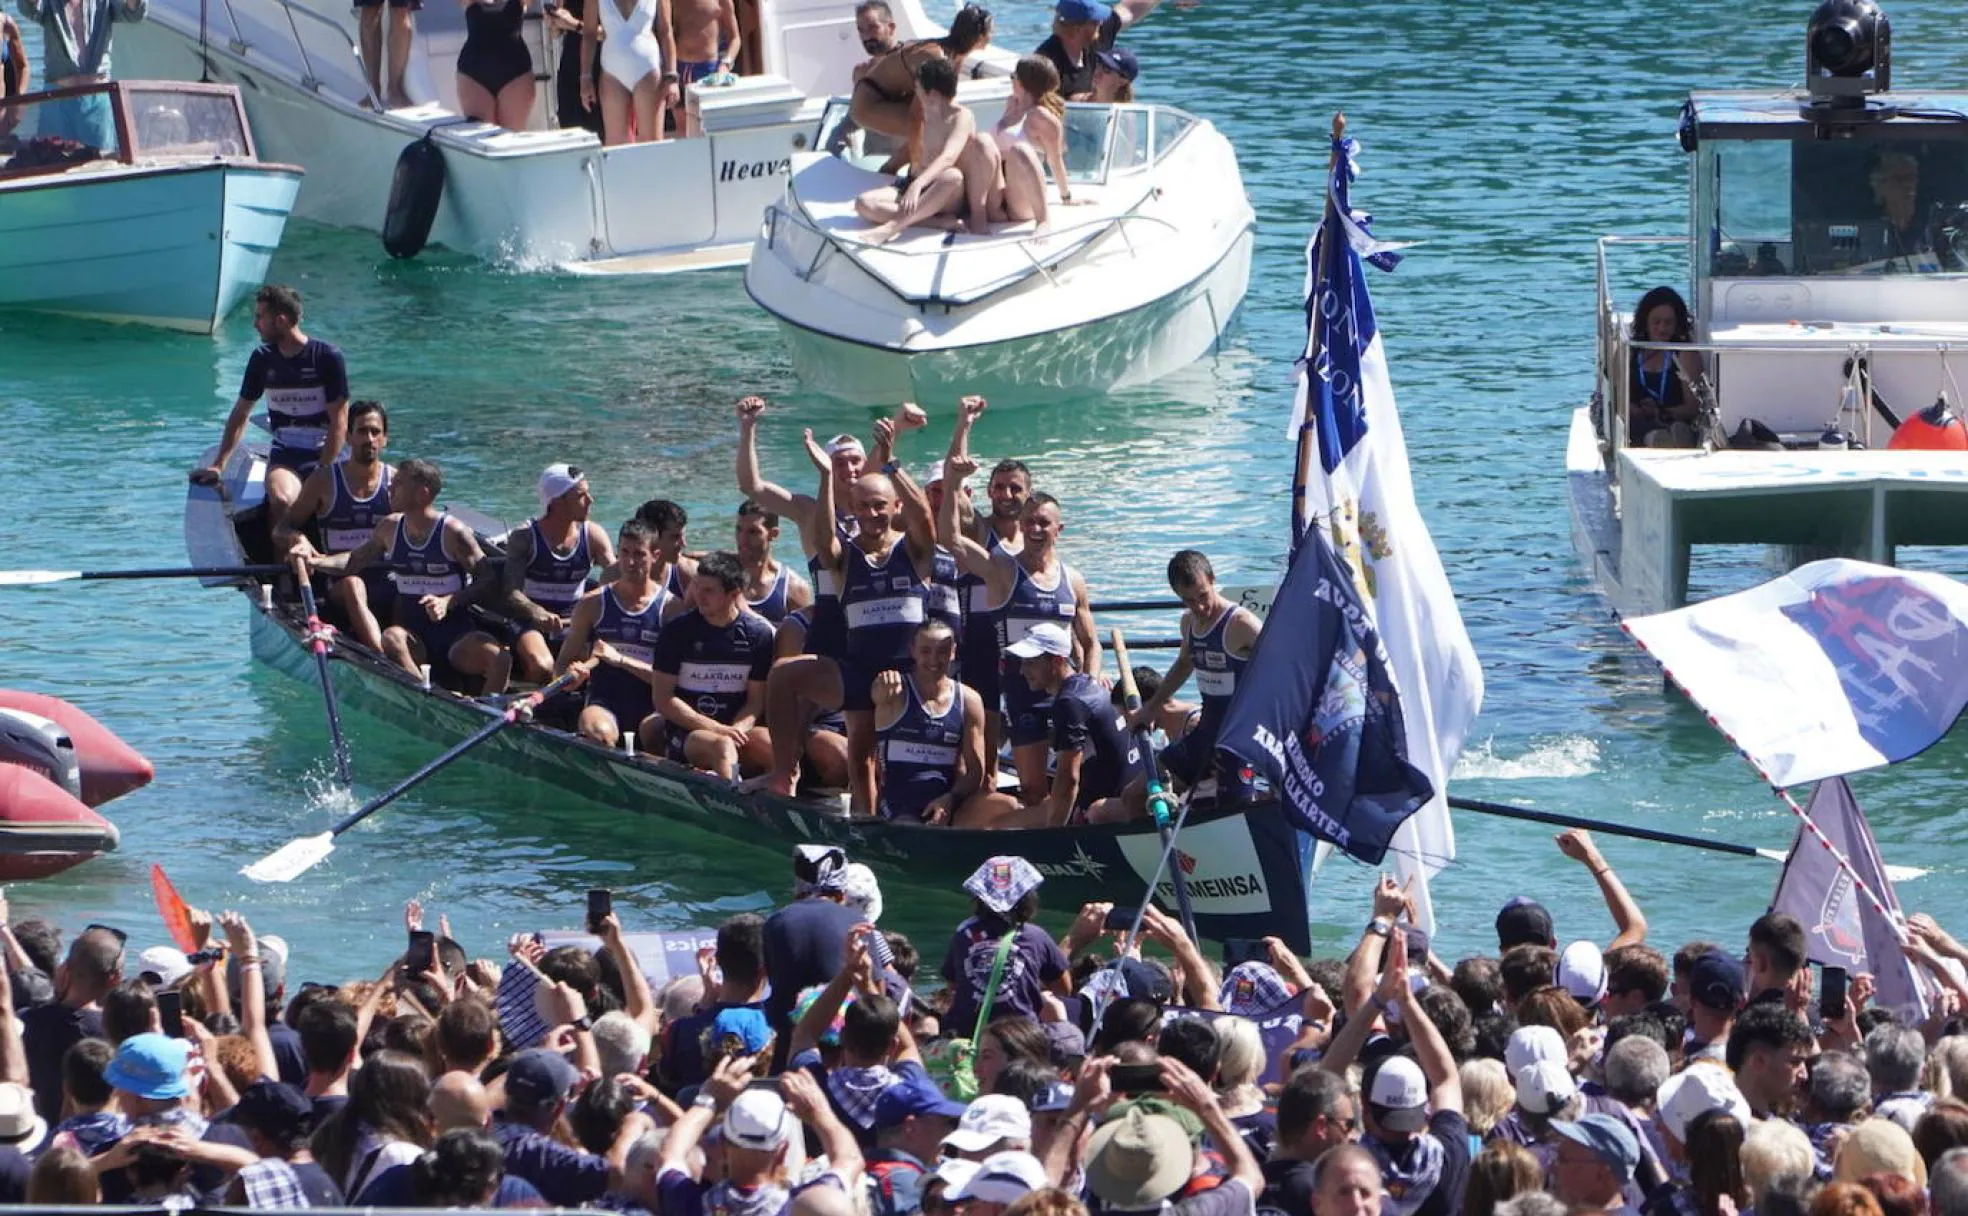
x=1847, y=55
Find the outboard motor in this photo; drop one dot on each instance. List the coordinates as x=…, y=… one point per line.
x=36, y=743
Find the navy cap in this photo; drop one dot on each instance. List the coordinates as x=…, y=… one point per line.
x=1120, y=61
x=1717, y=982
x=539, y=1078
x=913, y=1100
x=1081, y=10
x=278, y=1111
x=1523, y=921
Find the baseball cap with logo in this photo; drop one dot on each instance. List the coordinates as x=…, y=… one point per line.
x=1398, y=1094
x=1716, y=981
x=989, y=1119
x=151, y=1066
x=1047, y=639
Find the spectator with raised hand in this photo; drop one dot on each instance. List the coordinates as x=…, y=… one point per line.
x=1198, y=981
x=1143, y=1162
x=877, y=1051
x=538, y=1087
x=1413, y=1106
x=758, y=1126
x=243, y=958
x=28, y=977
x=734, y=978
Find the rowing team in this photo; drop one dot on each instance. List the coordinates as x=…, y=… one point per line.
x=923, y=636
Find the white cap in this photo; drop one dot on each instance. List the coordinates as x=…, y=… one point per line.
x=954, y=1172
x=933, y=475
x=989, y=1119
x=1544, y=1087
x=844, y=443
x=1043, y=639
x=1399, y=1095
x=758, y=1119
x=1529, y=1044
x=863, y=891
x=1582, y=972
x=1002, y=1178
x=167, y=963
x=558, y=479
x=1692, y=1093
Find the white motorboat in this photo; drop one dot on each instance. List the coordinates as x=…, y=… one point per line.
x=1139, y=281
x=136, y=201
x=1828, y=261
x=537, y=198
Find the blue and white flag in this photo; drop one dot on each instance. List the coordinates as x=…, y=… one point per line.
x=1365, y=504
x=1316, y=712
x=1836, y=667
x=1842, y=925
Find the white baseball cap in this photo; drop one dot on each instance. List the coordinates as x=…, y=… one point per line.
x=989, y=1119
x=167, y=963
x=1399, y=1095
x=1582, y=972
x=1002, y=1178
x=1042, y=640
x=1692, y=1093
x=933, y=475
x=558, y=479
x=758, y=1119
x=1529, y=1044
x=1545, y=1086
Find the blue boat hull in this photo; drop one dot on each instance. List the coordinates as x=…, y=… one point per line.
x=177, y=246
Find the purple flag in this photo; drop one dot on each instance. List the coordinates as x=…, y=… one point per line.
x=1842, y=927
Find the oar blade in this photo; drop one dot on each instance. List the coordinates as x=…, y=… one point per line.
x=36, y=578
x=292, y=859
x=1893, y=873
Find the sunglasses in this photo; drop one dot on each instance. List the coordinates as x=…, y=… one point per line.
x=122, y=938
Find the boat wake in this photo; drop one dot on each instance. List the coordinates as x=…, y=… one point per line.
x=1569, y=756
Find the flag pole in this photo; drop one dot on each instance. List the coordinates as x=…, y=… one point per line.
x=1308, y=435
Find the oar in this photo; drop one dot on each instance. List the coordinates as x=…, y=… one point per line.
x=319, y=636
x=297, y=857
x=1158, y=799
x=40, y=578
x=1506, y=811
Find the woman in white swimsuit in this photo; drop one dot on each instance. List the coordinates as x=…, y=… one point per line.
x=1030, y=138
x=634, y=47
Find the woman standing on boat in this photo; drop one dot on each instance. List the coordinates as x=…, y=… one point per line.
x=1661, y=399
x=495, y=70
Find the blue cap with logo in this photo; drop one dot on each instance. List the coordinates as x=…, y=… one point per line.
x=151, y=1066
x=1081, y=10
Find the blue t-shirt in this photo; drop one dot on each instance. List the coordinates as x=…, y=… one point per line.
x=396, y=1187
x=566, y=1177
x=1035, y=961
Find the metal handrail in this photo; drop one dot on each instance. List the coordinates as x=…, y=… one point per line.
x=309, y=80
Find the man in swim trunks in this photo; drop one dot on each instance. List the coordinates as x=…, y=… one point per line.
x=439, y=570
x=884, y=93
x=950, y=175
x=345, y=501
x=402, y=28
x=1023, y=591
x=705, y=33
x=710, y=668
x=548, y=561
x=771, y=588
x=305, y=382
x=612, y=639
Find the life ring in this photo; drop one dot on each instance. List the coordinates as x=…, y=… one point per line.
x=416, y=188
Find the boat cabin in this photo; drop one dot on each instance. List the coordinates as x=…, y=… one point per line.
x=1826, y=278
x=118, y=123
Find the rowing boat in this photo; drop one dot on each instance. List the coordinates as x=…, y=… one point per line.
x=1245, y=869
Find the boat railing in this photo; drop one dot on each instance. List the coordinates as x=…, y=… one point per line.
x=342, y=42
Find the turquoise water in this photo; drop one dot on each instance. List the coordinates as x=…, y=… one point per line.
x=1507, y=145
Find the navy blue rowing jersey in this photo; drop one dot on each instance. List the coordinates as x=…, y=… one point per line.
x=1085, y=720
x=634, y=634
x=772, y=605
x=555, y=580
x=714, y=663
x=349, y=521
x=298, y=389
x=423, y=569
x=919, y=754
x=881, y=602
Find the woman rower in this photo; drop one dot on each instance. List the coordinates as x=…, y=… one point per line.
x=884, y=94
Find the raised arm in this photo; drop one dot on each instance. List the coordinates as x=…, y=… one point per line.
x=1363, y=965
x=252, y=1013
x=1576, y=843
x=636, y=999
x=810, y=1106
x=825, y=537
x=769, y=496
x=1131, y=11
x=972, y=558
x=1431, y=1050
x=1188, y=1089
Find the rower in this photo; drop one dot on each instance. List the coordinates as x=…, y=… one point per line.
x=611, y=640
x=1096, y=757
x=548, y=562
x=672, y=568
x=439, y=570
x=345, y=500
x=998, y=531
x=771, y=587
x=881, y=574
x=823, y=761
x=932, y=736
x=712, y=659
x=1217, y=639
x=305, y=382
x=1023, y=591
x=944, y=596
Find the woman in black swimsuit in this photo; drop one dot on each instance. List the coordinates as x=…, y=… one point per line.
x=883, y=95
x=495, y=70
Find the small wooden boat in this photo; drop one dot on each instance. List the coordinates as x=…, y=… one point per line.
x=1245, y=869
x=136, y=201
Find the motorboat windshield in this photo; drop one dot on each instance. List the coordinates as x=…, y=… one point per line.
x=53, y=131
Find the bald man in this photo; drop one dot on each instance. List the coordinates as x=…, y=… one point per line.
x=1348, y=1183
x=459, y=1099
